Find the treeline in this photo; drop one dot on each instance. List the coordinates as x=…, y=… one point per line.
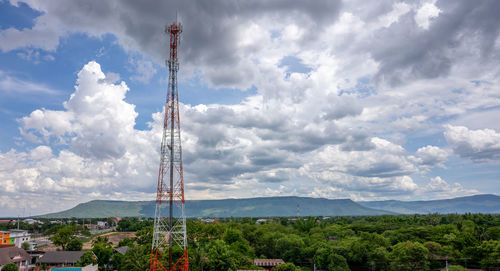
x=417, y=242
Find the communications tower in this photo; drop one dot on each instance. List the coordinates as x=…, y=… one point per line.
x=169, y=250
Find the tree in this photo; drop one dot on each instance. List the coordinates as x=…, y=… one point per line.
x=136, y=259
x=325, y=258
x=337, y=263
x=232, y=235
x=62, y=236
x=409, y=256
x=490, y=255
x=25, y=246
x=456, y=268
x=86, y=259
x=219, y=257
x=290, y=248
x=10, y=267
x=286, y=267
x=378, y=259
x=74, y=245
x=103, y=252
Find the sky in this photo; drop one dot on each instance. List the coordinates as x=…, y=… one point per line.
x=367, y=100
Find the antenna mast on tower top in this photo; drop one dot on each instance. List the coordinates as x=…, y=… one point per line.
x=170, y=231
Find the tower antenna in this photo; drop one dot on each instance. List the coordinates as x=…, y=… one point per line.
x=298, y=211
x=170, y=232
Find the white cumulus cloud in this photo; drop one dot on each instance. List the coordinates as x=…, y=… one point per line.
x=478, y=145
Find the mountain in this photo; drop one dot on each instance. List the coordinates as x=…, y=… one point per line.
x=472, y=204
x=252, y=207
x=287, y=206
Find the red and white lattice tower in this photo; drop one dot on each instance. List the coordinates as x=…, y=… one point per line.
x=169, y=232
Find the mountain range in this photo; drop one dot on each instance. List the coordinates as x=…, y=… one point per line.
x=286, y=206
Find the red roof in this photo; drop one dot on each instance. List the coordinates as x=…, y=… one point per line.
x=267, y=262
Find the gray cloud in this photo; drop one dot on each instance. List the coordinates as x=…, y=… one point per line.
x=407, y=52
x=210, y=34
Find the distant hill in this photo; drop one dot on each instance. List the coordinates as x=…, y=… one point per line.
x=472, y=204
x=287, y=206
x=253, y=207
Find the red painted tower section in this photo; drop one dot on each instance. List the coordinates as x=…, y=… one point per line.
x=169, y=250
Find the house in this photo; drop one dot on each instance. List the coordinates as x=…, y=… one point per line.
x=267, y=264
x=31, y=221
x=60, y=258
x=122, y=250
x=207, y=220
x=262, y=221
x=35, y=255
x=14, y=237
x=114, y=220
x=102, y=224
x=13, y=254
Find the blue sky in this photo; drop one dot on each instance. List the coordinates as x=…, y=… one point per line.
x=392, y=101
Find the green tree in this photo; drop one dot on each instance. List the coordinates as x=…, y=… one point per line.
x=286, y=267
x=326, y=259
x=62, y=236
x=103, y=251
x=338, y=263
x=25, y=246
x=232, y=235
x=409, y=256
x=291, y=248
x=10, y=267
x=490, y=255
x=493, y=233
x=136, y=259
x=86, y=259
x=456, y=268
x=378, y=259
x=197, y=258
x=74, y=244
x=219, y=257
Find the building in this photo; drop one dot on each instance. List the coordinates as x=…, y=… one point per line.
x=14, y=237
x=31, y=221
x=114, y=220
x=60, y=258
x=267, y=264
x=122, y=250
x=262, y=221
x=13, y=254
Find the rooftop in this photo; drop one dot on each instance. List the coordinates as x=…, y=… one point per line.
x=267, y=262
x=56, y=257
x=12, y=254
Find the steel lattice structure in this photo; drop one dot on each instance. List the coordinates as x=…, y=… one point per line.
x=170, y=232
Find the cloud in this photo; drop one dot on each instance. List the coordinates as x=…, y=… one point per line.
x=144, y=69
x=437, y=187
x=375, y=78
x=211, y=40
x=425, y=14
x=430, y=156
x=226, y=148
x=96, y=121
x=383, y=169
x=10, y=85
x=478, y=145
